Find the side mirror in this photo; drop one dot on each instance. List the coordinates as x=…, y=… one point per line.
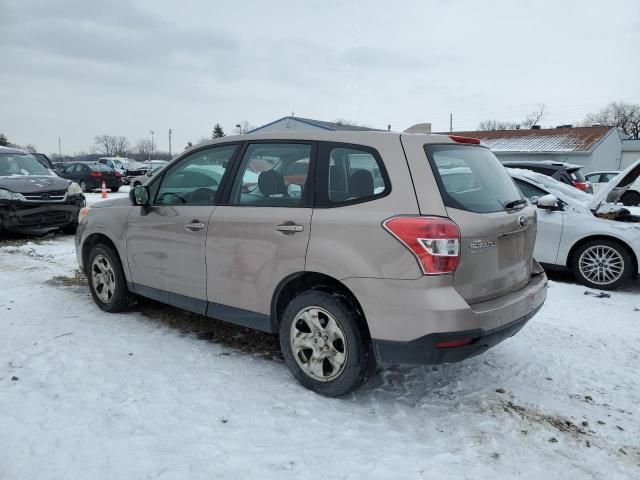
x=548, y=202
x=140, y=195
x=294, y=190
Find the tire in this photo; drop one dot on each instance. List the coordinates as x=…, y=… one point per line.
x=135, y=184
x=335, y=374
x=70, y=228
x=114, y=189
x=119, y=298
x=589, y=271
x=83, y=186
x=630, y=199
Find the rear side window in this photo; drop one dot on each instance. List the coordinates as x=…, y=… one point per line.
x=471, y=178
x=350, y=174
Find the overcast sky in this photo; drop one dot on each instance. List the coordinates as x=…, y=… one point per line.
x=78, y=68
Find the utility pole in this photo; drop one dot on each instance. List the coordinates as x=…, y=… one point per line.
x=59, y=149
x=170, y=142
x=450, y=122
x=151, y=150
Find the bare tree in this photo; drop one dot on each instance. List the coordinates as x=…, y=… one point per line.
x=111, y=145
x=244, y=127
x=143, y=149
x=188, y=145
x=490, y=124
x=618, y=114
x=535, y=117
x=31, y=148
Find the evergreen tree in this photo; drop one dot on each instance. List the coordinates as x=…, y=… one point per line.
x=4, y=141
x=217, y=131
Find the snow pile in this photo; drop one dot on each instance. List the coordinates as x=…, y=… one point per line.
x=85, y=394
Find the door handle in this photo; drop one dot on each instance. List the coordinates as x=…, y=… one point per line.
x=289, y=228
x=194, y=226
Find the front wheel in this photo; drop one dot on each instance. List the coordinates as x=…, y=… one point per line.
x=115, y=189
x=70, y=228
x=324, y=343
x=603, y=264
x=106, y=279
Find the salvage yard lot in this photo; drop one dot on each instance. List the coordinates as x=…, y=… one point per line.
x=160, y=393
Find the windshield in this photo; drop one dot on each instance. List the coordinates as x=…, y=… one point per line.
x=21, y=164
x=471, y=178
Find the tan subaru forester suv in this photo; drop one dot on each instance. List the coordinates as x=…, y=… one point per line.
x=353, y=247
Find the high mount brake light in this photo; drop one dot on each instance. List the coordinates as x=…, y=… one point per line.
x=461, y=139
x=434, y=241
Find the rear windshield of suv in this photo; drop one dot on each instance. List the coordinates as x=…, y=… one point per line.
x=471, y=178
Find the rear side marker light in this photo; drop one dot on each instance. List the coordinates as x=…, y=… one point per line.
x=454, y=343
x=434, y=241
x=460, y=139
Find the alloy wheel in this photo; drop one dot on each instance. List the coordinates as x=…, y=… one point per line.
x=318, y=344
x=103, y=278
x=601, y=264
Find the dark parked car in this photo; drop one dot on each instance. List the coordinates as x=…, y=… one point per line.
x=32, y=197
x=563, y=172
x=91, y=175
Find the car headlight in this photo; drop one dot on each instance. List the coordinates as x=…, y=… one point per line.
x=8, y=195
x=74, y=189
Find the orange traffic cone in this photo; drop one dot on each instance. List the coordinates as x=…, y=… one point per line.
x=104, y=190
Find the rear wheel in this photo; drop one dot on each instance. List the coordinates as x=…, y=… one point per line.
x=630, y=199
x=324, y=345
x=603, y=264
x=106, y=279
x=83, y=185
x=115, y=189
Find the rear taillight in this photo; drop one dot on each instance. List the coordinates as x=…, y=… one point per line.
x=460, y=139
x=584, y=186
x=435, y=241
x=96, y=174
x=117, y=174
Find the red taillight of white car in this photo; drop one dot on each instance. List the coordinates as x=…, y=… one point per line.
x=435, y=241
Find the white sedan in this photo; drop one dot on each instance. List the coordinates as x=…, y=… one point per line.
x=590, y=235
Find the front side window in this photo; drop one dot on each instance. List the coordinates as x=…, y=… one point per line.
x=529, y=190
x=195, y=179
x=272, y=175
x=471, y=178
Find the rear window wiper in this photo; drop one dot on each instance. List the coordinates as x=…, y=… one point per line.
x=515, y=203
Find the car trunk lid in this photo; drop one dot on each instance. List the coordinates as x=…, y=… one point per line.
x=497, y=225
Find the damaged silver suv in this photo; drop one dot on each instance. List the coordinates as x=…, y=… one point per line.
x=353, y=247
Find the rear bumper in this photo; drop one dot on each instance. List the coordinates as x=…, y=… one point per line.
x=406, y=318
x=425, y=350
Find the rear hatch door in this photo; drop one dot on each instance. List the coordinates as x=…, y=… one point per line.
x=497, y=224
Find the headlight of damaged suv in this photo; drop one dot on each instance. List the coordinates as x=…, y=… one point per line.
x=8, y=195
x=74, y=189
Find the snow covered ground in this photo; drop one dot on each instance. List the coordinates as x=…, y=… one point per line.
x=159, y=393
